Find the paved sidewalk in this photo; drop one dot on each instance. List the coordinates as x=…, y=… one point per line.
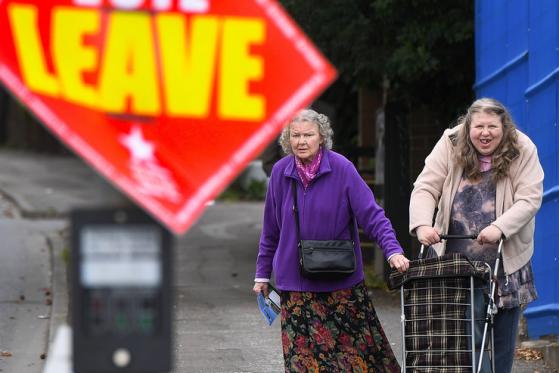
x=36, y=193
x=218, y=327
x=50, y=186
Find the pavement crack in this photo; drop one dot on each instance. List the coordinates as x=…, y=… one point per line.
x=20, y=302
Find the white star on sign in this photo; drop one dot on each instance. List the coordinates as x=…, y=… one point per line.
x=140, y=149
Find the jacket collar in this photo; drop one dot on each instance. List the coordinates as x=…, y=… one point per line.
x=291, y=169
x=453, y=134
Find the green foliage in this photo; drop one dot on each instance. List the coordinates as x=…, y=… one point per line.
x=65, y=254
x=255, y=191
x=344, y=31
x=424, y=49
x=372, y=280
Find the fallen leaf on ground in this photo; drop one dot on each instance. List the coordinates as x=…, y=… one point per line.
x=528, y=354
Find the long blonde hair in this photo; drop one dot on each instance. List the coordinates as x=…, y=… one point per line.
x=507, y=150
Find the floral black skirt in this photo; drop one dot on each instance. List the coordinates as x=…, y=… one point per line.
x=334, y=332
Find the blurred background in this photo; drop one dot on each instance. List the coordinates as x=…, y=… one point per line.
x=407, y=70
x=409, y=63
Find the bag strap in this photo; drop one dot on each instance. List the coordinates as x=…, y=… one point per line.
x=296, y=211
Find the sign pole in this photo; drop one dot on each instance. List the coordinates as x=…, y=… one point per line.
x=121, y=292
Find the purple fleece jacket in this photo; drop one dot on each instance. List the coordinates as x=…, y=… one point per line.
x=324, y=214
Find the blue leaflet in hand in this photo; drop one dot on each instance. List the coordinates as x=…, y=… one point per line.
x=266, y=309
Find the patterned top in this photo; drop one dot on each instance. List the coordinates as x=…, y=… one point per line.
x=473, y=209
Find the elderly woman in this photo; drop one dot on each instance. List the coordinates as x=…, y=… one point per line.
x=485, y=178
x=328, y=325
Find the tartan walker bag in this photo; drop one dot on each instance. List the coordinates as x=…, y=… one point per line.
x=324, y=259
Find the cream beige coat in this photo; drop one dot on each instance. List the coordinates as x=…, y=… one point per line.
x=518, y=197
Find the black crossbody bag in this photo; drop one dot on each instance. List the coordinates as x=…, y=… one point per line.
x=324, y=259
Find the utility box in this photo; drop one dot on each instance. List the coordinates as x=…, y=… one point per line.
x=517, y=62
x=121, y=292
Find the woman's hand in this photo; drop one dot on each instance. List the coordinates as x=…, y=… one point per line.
x=489, y=234
x=427, y=235
x=260, y=287
x=400, y=262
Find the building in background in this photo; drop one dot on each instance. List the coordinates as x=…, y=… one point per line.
x=517, y=62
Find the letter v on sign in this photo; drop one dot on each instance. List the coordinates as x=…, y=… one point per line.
x=169, y=100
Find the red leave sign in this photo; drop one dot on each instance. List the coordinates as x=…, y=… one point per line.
x=167, y=99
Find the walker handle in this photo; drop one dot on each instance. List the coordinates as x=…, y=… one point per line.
x=450, y=237
x=458, y=236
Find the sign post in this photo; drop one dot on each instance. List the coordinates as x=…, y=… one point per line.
x=121, y=292
x=169, y=100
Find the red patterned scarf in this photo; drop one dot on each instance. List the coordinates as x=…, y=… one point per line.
x=307, y=172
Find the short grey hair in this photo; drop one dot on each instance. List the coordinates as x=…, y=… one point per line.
x=308, y=115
